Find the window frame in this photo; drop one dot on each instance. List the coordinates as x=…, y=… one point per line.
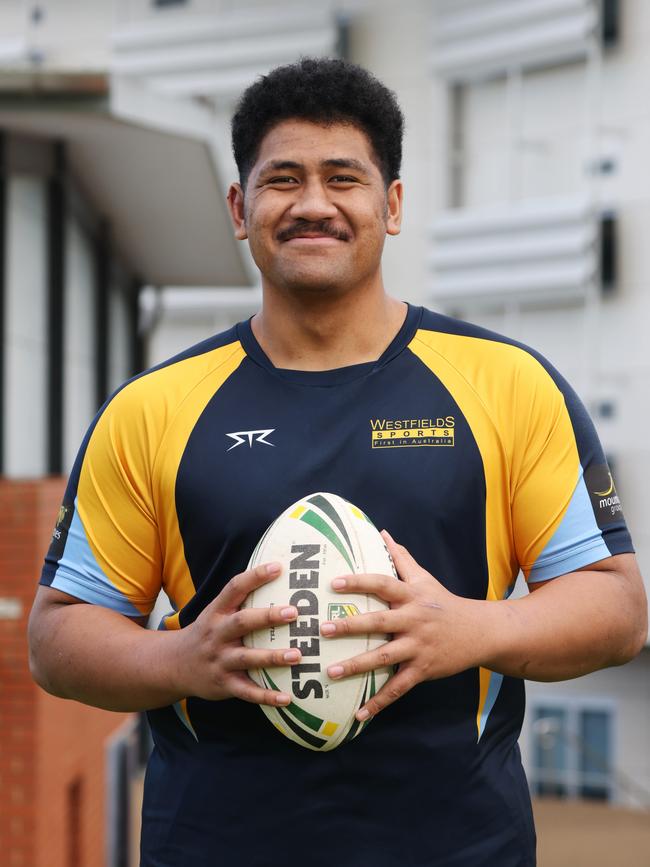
x=571, y=777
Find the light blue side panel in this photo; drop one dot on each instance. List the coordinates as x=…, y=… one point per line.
x=188, y=725
x=80, y=575
x=496, y=680
x=577, y=542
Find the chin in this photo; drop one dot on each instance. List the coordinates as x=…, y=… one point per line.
x=316, y=290
x=316, y=284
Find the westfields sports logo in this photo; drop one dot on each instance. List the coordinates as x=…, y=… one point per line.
x=250, y=437
x=405, y=432
x=604, y=499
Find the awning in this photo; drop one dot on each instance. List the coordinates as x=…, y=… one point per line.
x=159, y=190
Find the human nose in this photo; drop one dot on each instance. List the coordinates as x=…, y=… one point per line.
x=313, y=203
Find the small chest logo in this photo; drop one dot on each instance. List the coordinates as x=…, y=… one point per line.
x=405, y=432
x=337, y=610
x=250, y=437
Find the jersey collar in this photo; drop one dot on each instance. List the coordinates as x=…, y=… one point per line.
x=337, y=375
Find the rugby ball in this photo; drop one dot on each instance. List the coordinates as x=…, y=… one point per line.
x=317, y=539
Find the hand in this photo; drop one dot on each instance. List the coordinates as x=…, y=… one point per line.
x=435, y=633
x=213, y=662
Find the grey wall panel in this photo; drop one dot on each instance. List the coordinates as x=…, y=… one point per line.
x=26, y=328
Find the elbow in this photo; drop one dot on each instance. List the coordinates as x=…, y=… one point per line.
x=639, y=640
x=634, y=628
x=36, y=668
x=635, y=638
x=41, y=677
x=37, y=658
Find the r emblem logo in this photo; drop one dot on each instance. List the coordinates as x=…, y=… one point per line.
x=250, y=436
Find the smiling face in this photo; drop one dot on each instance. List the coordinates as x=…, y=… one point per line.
x=315, y=209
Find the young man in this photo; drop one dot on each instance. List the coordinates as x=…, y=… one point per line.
x=467, y=447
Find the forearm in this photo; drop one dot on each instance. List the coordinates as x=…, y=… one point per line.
x=575, y=624
x=98, y=657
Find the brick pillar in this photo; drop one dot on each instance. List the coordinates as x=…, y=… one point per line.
x=52, y=752
x=22, y=541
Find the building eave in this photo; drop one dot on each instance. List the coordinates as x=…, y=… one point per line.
x=158, y=189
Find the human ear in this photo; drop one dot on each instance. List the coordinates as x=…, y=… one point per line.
x=235, y=201
x=394, y=198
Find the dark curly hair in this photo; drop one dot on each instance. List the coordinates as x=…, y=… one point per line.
x=322, y=90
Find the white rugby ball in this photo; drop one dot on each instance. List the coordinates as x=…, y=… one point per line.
x=317, y=539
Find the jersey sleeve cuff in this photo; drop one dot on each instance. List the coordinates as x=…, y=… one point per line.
x=76, y=585
x=591, y=552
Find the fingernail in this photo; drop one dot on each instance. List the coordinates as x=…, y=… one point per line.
x=339, y=583
x=289, y=613
x=327, y=629
x=273, y=568
x=284, y=698
x=292, y=656
x=335, y=670
x=388, y=536
x=363, y=714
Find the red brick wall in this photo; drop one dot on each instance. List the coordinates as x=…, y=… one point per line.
x=47, y=743
x=71, y=741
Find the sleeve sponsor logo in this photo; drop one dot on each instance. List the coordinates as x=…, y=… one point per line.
x=60, y=532
x=412, y=432
x=604, y=499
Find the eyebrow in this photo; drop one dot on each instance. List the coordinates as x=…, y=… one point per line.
x=334, y=162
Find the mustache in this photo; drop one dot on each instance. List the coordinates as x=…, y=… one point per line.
x=322, y=227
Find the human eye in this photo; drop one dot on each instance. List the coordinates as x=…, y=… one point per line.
x=343, y=179
x=281, y=180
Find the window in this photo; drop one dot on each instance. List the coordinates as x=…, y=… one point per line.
x=594, y=764
x=163, y=3
x=572, y=750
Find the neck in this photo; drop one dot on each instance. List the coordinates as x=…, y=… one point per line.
x=325, y=333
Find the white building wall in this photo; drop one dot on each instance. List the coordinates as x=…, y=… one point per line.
x=392, y=41
x=62, y=35
x=177, y=319
x=544, y=134
x=79, y=362
x=25, y=375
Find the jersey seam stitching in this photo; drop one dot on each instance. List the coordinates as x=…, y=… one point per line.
x=594, y=542
x=101, y=590
x=238, y=347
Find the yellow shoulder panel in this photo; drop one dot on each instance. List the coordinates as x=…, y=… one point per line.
x=126, y=486
x=522, y=428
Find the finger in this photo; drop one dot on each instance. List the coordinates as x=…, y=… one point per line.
x=383, y=586
x=407, y=567
x=395, y=688
x=246, y=620
x=389, y=654
x=246, y=658
x=239, y=587
x=382, y=622
x=241, y=686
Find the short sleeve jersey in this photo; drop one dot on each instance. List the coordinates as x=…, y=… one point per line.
x=469, y=448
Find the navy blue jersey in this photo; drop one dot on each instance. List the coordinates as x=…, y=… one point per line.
x=469, y=448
